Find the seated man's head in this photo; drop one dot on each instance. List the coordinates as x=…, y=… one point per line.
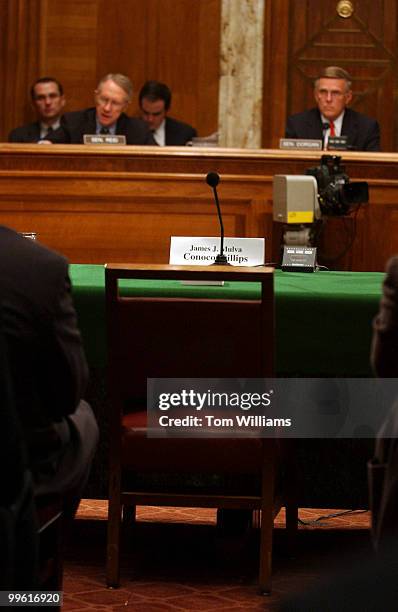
x=332, y=91
x=154, y=99
x=48, y=99
x=112, y=96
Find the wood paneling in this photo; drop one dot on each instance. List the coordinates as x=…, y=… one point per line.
x=364, y=44
x=275, y=85
x=79, y=41
x=70, y=40
x=174, y=41
x=98, y=204
x=19, y=60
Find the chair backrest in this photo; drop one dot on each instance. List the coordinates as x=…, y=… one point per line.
x=155, y=336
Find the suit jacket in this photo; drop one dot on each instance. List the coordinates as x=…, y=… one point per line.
x=178, y=133
x=74, y=125
x=363, y=132
x=28, y=133
x=12, y=449
x=384, y=355
x=383, y=471
x=47, y=362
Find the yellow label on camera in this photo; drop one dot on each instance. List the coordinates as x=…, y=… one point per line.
x=300, y=216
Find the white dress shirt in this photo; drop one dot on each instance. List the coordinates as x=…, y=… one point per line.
x=160, y=134
x=44, y=128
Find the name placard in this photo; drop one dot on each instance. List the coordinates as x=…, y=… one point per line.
x=202, y=251
x=107, y=139
x=300, y=144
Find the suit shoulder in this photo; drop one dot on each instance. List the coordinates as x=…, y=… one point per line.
x=73, y=125
x=178, y=132
x=135, y=130
x=360, y=117
x=10, y=235
x=178, y=123
x=137, y=123
x=26, y=252
x=24, y=133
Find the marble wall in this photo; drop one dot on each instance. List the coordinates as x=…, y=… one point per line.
x=241, y=73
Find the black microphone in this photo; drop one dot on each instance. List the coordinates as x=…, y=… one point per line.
x=212, y=179
x=325, y=127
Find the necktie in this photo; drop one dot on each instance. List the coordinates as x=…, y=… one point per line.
x=49, y=131
x=332, y=130
x=104, y=130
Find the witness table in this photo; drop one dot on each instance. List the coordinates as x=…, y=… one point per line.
x=323, y=319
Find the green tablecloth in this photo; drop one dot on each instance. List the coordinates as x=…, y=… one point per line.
x=323, y=320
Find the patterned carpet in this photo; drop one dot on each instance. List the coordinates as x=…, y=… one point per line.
x=176, y=560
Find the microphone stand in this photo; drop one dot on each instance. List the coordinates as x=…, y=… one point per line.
x=220, y=260
x=325, y=127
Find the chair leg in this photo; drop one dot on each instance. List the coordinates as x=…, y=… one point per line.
x=266, y=532
x=113, y=544
x=291, y=524
x=129, y=515
x=291, y=495
x=234, y=521
x=267, y=517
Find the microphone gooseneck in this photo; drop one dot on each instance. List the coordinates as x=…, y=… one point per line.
x=212, y=179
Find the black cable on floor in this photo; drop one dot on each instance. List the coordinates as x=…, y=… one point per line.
x=329, y=516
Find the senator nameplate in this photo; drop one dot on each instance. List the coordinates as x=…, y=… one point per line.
x=202, y=251
x=104, y=139
x=300, y=144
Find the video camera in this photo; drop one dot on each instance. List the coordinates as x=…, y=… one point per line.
x=336, y=195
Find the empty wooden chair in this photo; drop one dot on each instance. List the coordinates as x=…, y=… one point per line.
x=162, y=332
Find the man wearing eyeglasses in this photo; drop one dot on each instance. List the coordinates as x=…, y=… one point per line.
x=48, y=100
x=112, y=97
x=332, y=117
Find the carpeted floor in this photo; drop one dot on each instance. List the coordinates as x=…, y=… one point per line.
x=176, y=560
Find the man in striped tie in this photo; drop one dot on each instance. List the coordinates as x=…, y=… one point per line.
x=333, y=117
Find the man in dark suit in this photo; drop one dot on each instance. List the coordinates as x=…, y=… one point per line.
x=112, y=97
x=366, y=581
x=47, y=365
x=155, y=100
x=383, y=470
x=332, y=117
x=48, y=100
